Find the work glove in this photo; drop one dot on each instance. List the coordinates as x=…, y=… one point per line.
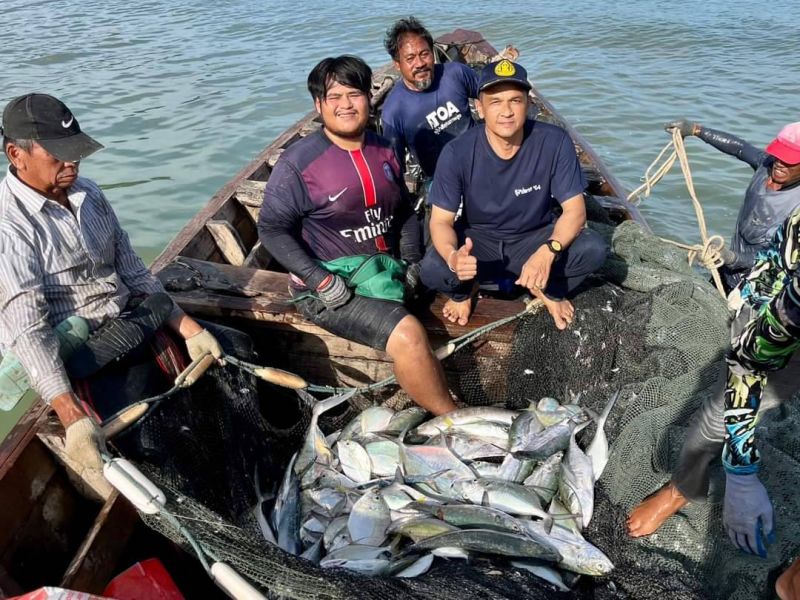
x=412, y=280
x=83, y=444
x=202, y=343
x=747, y=513
x=687, y=128
x=333, y=292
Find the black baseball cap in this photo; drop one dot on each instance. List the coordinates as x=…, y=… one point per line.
x=48, y=121
x=503, y=71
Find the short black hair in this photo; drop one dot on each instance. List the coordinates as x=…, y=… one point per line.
x=346, y=70
x=409, y=25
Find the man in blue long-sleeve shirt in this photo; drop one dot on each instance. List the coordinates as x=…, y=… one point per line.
x=773, y=193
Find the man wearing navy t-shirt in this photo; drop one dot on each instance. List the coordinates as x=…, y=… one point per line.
x=339, y=194
x=430, y=105
x=510, y=175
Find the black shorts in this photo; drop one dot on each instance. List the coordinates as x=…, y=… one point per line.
x=364, y=320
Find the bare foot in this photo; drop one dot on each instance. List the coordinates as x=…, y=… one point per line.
x=651, y=512
x=562, y=311
x=457, y=312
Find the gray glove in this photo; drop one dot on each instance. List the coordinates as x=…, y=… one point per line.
x=747, y=513
x=333, y=292
x=83, y=444
x=412, y=279
x=687, y=128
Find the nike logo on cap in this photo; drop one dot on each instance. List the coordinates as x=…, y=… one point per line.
x=336, y=197
x=66, y=124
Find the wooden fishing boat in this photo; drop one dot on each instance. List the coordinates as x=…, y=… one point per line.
x=215, y=268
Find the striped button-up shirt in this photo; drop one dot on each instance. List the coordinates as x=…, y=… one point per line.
x=54, y=263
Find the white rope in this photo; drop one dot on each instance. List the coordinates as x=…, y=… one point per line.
x=709, y=253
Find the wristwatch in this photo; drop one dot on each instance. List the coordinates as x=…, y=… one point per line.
x=554, y=246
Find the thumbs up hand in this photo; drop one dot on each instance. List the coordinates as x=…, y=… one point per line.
x=462, y=263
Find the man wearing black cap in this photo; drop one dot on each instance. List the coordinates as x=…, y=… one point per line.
x=511, y=173
x=63, y=254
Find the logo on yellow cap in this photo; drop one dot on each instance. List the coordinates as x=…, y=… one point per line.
x=505, y=68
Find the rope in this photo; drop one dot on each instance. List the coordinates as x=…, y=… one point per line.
x=709, y=253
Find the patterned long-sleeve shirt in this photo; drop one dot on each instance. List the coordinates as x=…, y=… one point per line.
x=771, y=292
x=54, y=263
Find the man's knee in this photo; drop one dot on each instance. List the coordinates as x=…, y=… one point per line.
x=592, y=250
x=435, y=274
x=409, y=336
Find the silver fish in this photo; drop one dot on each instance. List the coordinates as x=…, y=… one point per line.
x=405, y=420
x=258, y=511
x=415, y=569
x=525, y=427
x=549, y=574
x=469, y=448
x=503, y=495
x=577, y=555
x=315, y=448
x=515, y=469
x=437, y=461
x=370, y=420
x=473, y=414
x=369, y=560
x=551, y=440
x=369, y=519
x=598, y=448
x=327, y=501
x=384, y=455
x=314, y=552
x=544, y=479
x=288, y=520
x=419, y=528
x=473, y=516
x=550, y=412
x=564, y=518
x=354, y=460
x=489, y=541
x=576, y=485
x=486, y=469
x=335, y=529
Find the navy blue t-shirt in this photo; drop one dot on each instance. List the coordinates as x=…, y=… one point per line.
x=425, y=121
x=508, y=197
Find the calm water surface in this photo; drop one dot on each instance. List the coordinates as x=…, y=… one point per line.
x=183, y=94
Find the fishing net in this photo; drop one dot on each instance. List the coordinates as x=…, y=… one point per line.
x=647, y=325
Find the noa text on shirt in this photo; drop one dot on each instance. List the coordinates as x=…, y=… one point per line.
x=443, y=117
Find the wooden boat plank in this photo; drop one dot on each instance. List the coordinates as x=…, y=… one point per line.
x=22, y=490
x=20, y=436
x=228, y=241
x=96, y=560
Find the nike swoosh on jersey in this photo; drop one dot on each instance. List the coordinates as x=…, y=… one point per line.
x=336, y=197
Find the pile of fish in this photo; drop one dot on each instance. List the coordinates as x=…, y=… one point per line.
x=393, y=490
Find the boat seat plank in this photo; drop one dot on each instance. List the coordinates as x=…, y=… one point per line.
x=239, y=292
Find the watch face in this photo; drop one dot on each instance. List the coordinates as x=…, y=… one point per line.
x=555, y=245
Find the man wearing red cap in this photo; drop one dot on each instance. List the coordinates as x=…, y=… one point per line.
x=63, y=254
x=773, y=193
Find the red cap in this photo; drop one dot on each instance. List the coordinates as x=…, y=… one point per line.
x=786, y=147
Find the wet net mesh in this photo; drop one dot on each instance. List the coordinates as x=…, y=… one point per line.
x=648, y=325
